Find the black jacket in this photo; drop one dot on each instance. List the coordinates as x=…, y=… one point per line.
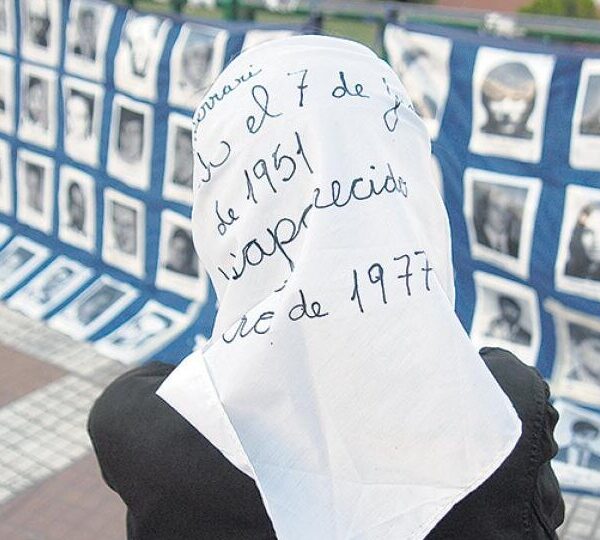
x=177, y=486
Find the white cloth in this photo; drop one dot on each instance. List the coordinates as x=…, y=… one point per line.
x=358, y=420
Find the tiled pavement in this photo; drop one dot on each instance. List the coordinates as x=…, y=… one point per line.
x=50, y=486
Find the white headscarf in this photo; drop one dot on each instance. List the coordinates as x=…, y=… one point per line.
x=347, y=390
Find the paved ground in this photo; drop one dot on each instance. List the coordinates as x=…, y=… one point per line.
x=50, y=486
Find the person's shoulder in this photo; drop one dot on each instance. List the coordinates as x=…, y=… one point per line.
x=123, y=396
x=523, y=384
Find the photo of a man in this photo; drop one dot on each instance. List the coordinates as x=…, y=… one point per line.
x=130, y=141
x=584, y=246
x=76, y=207
x=34, y=187
x=140, y=329
x=590, y=116
x=183, y=164
x=83, y=33
x=579, y=452
x=584, y=345
x=181, y=256
x=37, y=24
x=508, y=95
x=55, y=281
x=178, y=269
x=507, y=324
x=35, y=102
x=497, y=216
x=96, y=303
x=79, y=113
x=139, y=52
x=11, y=260
x=124, y=228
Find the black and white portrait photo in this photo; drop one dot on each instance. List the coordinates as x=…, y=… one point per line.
x=178, y=267
x=40, y=30
x=140, y=49
x=576, y=371
x=578, y=262
x=577, y=434
x=510, y=94
x=92, y=309
x=50, y=287
x=87, y=36
x=18, y=259
x=130, y=145
x=196, y=60
x=143, y=334
x=6, y=179
x=124, y=232
x=83, y=116
x=177, y=185
x=35, y=190
x=506, y=315
x=500, y=211
x=7, y=95
x=422, y=62
x=7, y=26
x=37, y=122
x=77, y=208
x=585, y=133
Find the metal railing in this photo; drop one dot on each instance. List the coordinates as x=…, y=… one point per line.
x=570, y=30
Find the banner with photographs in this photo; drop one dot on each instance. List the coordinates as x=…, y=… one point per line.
x=96, y=170
x=516, y=149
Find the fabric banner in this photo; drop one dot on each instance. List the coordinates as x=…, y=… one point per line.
x=96, y=170
x=516, y=143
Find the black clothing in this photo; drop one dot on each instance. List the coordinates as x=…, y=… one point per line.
x=177, y=486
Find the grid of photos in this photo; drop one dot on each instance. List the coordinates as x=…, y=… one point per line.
x=178, y=269
x=7, y=97
x=83, y=120
x=77, y=208
x=506, y=315
x=124, y=225
x=585, y=134
x=138, y=56
x=35, y=190
x=7, y=26
x=510, y=94
x=576, y=371
x=500, y=211
x=6, y=183
x=41, y=25
x=144, y=333
x=197, y=58
x=50, y=287
x=422, y=62
x=577, y=269
x=94, y=308
x=87, y=37
x=577, y=434
x=83, y=142
x=18, y=260
x=179, y=163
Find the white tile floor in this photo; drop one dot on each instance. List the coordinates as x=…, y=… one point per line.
x=44, y=431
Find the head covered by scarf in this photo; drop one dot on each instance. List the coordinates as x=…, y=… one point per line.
x=337, y=375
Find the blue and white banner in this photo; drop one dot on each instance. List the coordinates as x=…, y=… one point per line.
x=516, y=142
x=96, y=170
